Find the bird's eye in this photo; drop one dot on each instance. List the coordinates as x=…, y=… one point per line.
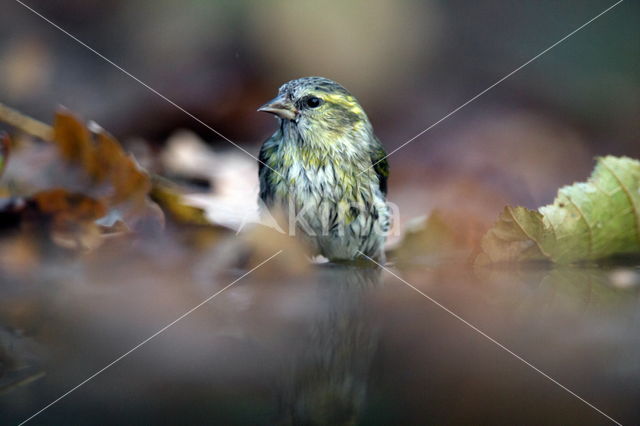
x=313, y=102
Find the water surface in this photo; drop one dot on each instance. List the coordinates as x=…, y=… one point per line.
x=334, y=345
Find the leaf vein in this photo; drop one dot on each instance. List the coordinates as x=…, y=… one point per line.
x=628, y=194
x=527, y=234
x=584, y=219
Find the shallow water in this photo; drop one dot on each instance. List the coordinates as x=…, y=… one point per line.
x=337, y=345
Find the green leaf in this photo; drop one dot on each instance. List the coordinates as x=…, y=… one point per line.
x=593, y=220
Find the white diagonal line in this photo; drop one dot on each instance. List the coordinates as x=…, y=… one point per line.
x=151, y=89
x=491, y=339
x=495, y=84
x=163, y=329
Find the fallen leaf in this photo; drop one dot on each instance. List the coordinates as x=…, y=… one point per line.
x=111, y=173
x=65, y=218
x=588, y=221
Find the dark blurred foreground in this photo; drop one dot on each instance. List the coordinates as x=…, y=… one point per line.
x=336, y=345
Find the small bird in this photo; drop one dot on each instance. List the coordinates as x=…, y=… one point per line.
x=326, y=170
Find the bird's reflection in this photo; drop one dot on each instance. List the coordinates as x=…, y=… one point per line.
x=325, y=380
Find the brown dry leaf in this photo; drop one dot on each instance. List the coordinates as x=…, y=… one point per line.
x=102, y=159
x=82, y=161
x=73, y=140
x=72, y=218
x=111, y=175
x=67, y=219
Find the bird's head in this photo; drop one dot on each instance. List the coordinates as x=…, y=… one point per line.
x=317, y=105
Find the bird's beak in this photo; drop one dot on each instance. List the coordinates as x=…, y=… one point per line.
x=280, y=107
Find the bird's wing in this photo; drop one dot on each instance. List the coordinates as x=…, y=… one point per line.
x=380, y=166
x=265, y=172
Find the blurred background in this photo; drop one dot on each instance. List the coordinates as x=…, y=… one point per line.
x=408, y=62
x=295, y=344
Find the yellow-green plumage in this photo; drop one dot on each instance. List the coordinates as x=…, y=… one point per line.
x=325, y=167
